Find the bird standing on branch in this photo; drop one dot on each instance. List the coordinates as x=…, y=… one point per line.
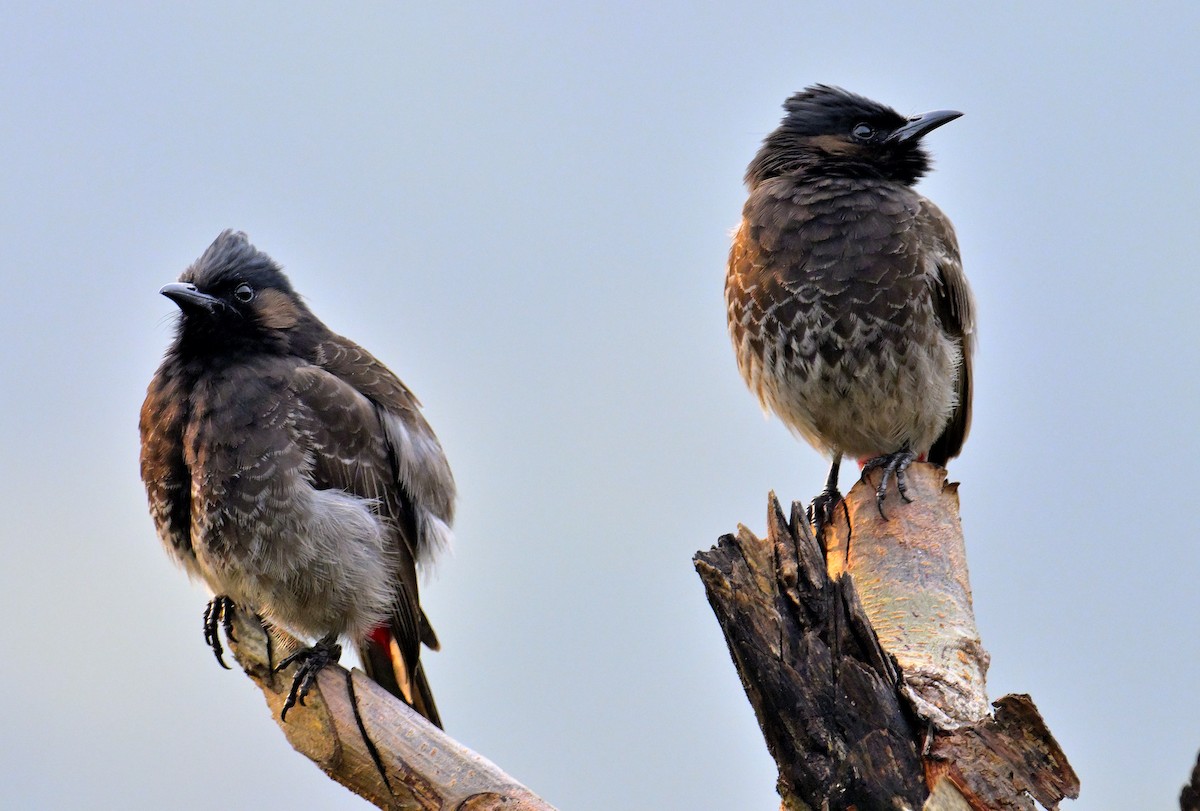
x=848, y=308
x=293, y=472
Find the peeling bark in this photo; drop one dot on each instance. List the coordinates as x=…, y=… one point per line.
x=863, y=664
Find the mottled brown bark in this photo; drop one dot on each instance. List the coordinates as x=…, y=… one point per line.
x=1004, y=762
x=371, y=742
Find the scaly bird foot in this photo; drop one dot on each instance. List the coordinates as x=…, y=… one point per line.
x=892, y=464
x=311, y=661
x=820, y=512
x=219, y=612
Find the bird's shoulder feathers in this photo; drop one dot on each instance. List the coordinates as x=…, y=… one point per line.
x=419, y=463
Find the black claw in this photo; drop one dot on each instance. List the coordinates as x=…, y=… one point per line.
x=311, y=661
x=227, y=620
x=892, y=464
x=820, y=512
x=219, y=612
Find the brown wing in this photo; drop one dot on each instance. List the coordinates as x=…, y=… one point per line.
x=346, y=437
x=350, y=451
x=420, y=465
x=358, y=367
x=417, y=477
x=955, y=308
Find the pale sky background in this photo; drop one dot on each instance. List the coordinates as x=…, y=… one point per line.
x=524, y=209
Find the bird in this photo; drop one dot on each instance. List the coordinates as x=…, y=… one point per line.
x=850, y=315
x=293, y=473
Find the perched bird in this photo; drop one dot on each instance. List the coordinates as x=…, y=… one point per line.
x=849, y=311
x=293, y=473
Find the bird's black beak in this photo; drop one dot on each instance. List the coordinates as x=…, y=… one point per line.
x=919, y=125
x=189, y=298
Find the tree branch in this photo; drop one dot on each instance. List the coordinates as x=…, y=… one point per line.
x=371, y=742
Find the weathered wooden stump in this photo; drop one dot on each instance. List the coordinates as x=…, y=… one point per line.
x=863, y=665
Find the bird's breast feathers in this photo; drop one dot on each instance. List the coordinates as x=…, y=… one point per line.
x=826, y=282
x=263, y=430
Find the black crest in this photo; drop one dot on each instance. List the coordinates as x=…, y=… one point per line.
x=232, y=259
x=832, y=132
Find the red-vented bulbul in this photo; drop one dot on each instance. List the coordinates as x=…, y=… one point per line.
x=848, y=308
x=293, y=472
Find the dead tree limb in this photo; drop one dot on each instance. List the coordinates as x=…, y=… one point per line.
x=863, y=665
x=372, y=743
x=825, y=693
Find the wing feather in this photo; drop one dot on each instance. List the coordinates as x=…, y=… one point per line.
x=955, y=309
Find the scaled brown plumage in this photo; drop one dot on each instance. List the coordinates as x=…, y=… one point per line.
x=292, y=471
x=847, y=304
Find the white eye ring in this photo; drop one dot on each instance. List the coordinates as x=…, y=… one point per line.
x=243, y=292
x=863, y=132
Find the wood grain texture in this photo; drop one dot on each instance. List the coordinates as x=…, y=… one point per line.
x=1005, y=762
x=911, y=574
x=351, y=727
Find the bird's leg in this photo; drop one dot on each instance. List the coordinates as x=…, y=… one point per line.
x=892, y=464
x=219, y=612
x=311, y=661
x=820, y=512
x=269, y=643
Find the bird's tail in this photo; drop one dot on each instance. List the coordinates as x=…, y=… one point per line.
x=386, y=665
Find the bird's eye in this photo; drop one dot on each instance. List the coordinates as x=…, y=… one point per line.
x=863, y=132
x=243, y=292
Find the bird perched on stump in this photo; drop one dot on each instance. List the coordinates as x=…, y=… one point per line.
x=293, y=473
x=849, y=311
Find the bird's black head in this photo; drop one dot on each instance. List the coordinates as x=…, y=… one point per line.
x=829, y=131
x=235, y=295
